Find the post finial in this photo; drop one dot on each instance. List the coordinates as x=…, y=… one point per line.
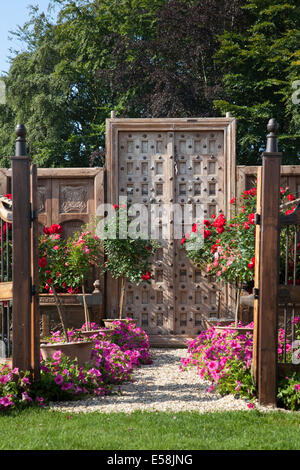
x=20, y=132
x=272, y=143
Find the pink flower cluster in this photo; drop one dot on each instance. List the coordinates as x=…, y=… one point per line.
x=115, y=355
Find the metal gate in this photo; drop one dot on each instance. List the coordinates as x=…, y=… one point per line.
x=159, y=162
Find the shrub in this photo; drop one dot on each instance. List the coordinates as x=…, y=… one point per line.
x=223, y=357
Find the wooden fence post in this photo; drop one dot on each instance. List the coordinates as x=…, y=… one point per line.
x=21, y=253
x=269, y=269
x=256, y=280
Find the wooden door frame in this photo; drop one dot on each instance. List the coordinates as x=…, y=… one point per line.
x=115, y=125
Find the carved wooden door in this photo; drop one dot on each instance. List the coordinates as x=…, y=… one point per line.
x=159, y=163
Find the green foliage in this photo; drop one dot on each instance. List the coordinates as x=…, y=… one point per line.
x=127, y=258
x=146, y=58
x=149, y=58
x=289, y=391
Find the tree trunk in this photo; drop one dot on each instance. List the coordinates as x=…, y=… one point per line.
x=60, y=313
x=86, y=310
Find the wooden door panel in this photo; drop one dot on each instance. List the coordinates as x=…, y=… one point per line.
x=189, y=162
x=72, y=203
x=144, y=166
x=199, y=181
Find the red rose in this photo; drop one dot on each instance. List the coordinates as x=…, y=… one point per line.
x=183, y=240
x=233, y=200
x=195, y=228
x=9, y=196
x=290, y=197
x=42, y=262
x=290, y=211
x=55, y=228
x=115, y=206
x=251, y=218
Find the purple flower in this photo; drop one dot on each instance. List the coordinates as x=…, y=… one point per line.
x=6, y=401
x=58, y=379
x=67, y=386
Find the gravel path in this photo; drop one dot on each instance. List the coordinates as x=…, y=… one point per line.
x=160, y=386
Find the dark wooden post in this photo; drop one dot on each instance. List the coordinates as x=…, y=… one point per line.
x=256, y=282
x=269, y=269
x=21, y=253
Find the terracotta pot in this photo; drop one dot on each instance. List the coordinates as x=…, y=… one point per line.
x=239, y=329
x=108, y=322
x=80, y=350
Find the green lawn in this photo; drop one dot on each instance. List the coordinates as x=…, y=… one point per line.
x=42, y=429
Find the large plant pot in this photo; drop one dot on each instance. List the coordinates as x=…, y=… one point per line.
x=80, y=350
x=239, y=329
x=108, y=322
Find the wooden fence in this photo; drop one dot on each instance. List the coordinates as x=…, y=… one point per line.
x=276, y=255
x=289, y=177
x=20, y=331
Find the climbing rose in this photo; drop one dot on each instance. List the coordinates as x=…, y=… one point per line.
x=42, y=262
x=146, y=276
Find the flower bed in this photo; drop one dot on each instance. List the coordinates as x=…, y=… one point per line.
x=223, y=357
x=112, y=363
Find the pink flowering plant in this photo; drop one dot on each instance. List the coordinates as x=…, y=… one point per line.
x=223, y=358
x=112, y=363
x=128, y=337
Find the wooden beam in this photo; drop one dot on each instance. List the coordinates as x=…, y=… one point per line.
x=268, y=272
x=21, y=253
